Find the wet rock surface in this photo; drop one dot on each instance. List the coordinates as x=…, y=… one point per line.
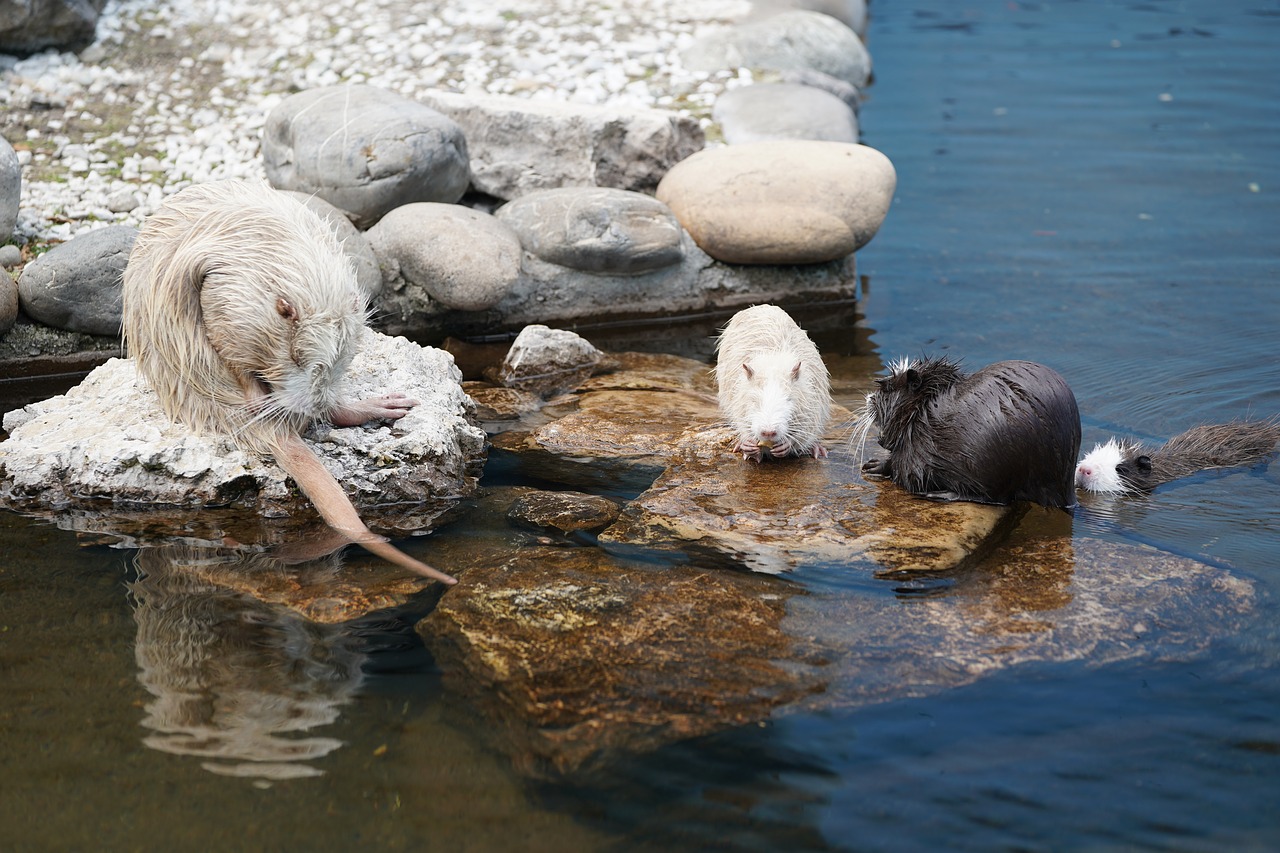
x=860, y=592
x=545, y=361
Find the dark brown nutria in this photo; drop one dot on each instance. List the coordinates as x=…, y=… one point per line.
x=1009, y=432
x=1128, y=466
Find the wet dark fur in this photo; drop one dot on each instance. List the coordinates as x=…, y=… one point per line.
x=1207, y=446
x=1010, y=431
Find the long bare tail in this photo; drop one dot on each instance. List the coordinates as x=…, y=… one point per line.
x=335, y=507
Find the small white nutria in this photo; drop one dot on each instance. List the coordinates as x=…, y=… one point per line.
x=1009, y=432
x=772, y=385
x=243, y=314
x=1126, y=466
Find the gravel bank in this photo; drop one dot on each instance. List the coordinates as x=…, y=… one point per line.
x=176, y=93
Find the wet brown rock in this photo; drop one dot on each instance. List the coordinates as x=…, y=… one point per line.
x=775, y=516
x=575, y=656
x=496, y=403
x=565, y=511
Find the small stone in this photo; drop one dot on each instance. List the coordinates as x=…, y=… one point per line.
x=546, y=361
x=792, y=202
x=596, y=229
x=123, y=201
x=564, y=511
x=10, y=256
x=462, y=258
x=77, y=285
x=365, y=150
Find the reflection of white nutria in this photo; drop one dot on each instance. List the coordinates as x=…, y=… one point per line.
x=235, y=681
x=1127, y=466
x=243, y=314
x=773, y=386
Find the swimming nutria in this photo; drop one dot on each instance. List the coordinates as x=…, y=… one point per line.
x=773, y=387
x=1128, y=466
x=1010, y=431
x=243, y=313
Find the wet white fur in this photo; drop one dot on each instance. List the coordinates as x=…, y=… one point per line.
x=1097, y=471
x=242, y=311
x=772, y=384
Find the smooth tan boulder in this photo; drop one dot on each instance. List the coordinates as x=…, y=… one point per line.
x=781, y=202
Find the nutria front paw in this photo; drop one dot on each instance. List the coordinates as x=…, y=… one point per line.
x=876, y=468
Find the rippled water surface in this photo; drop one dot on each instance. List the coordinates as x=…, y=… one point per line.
x=1092, y=185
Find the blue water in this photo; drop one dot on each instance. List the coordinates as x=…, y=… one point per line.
x=1092, y=185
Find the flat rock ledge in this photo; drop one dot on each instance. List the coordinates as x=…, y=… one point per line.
x=107, y=440
x=654, y=632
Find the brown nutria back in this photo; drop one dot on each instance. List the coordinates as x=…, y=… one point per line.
x=1010, y=431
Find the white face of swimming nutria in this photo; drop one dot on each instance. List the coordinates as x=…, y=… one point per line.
x=1097, y=472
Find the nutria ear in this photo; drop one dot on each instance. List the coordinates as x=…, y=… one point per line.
x=285, y=310
x=795, y=371
x=750, y=373
x=913, y=379
x=1143, y=464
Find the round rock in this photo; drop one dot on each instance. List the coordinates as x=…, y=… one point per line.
x=354, y=245
x=788, y=40
x=784, y=111
x=791, y=202
x=365, y=150
x=10, y=189
x=77, y=285
x=8, y=302
x=464, y=259
x=596, y=229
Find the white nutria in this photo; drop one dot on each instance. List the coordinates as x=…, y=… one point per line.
x=1127, y=466
x=773, y=387
x=243, y=314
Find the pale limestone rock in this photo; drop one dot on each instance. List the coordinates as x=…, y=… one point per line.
x=107, y=439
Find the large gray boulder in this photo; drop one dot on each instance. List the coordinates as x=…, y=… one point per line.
x=463, y=259
x=30, y=26
x=10, y=188
x=365, y=150
x=596, y=229
x=519, y=146
x=786, y=41
x=77, y=285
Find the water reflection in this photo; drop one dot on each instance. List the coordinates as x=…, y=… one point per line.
x=236, y=681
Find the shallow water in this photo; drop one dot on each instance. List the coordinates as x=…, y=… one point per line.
x=1089, y=185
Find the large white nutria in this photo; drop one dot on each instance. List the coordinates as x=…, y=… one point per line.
x=1127, y=466
x=772, y=385
x=243, y=313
